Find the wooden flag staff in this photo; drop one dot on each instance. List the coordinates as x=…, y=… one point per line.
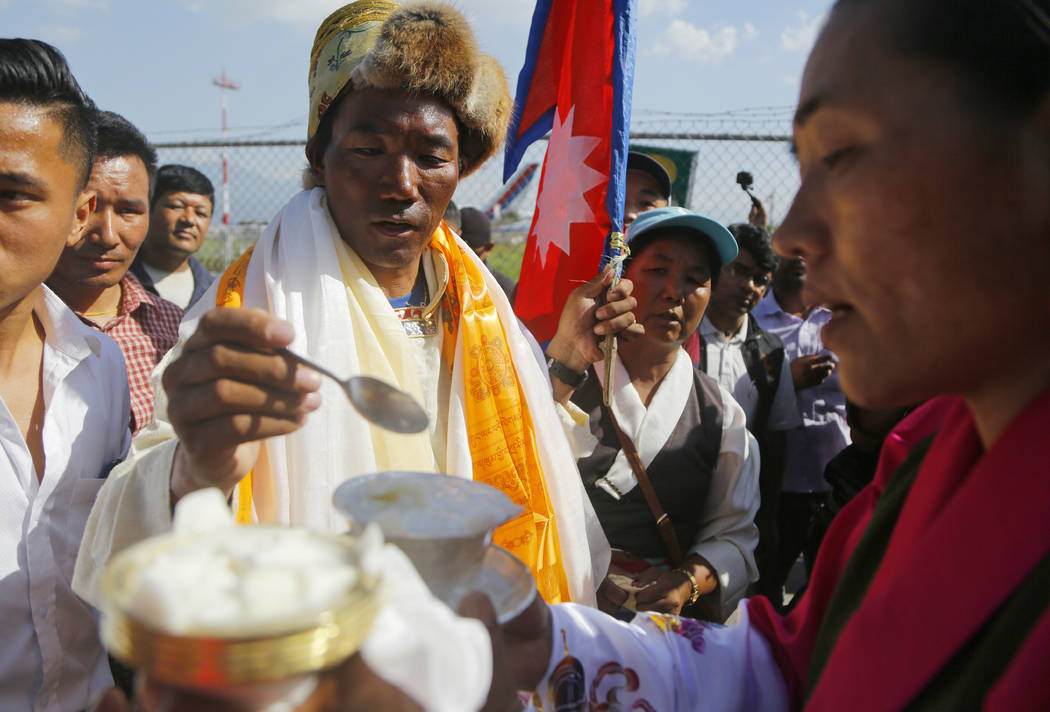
x=620, y=252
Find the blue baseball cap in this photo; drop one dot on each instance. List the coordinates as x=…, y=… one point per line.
x=674, y=217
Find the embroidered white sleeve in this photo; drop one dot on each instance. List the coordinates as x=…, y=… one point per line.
x=658, y=662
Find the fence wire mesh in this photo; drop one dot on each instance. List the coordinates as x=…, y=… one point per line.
x=263, y=175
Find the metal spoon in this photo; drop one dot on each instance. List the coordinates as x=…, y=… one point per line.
x=378, y=401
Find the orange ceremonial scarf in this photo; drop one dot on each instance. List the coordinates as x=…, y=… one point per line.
x=501, y=437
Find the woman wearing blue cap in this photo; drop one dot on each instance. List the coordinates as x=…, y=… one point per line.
x=669, y=466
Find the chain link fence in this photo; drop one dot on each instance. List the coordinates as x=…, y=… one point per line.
x=263, y=175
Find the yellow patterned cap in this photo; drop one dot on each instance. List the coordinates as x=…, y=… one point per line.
x=342, y=41
x=425, y=47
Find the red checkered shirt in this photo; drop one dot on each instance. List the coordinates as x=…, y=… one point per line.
x=145, y=328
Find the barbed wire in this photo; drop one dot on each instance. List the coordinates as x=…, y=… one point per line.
x=265, y=173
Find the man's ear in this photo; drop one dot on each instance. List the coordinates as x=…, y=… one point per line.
x=84, y=206
x=315, y=156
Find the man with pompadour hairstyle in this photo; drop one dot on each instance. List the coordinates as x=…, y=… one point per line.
x=64, y=420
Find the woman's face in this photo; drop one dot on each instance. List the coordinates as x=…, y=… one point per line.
x=672, y=283
x=925, y=227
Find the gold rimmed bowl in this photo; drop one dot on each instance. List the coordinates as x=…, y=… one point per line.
x=235, y=652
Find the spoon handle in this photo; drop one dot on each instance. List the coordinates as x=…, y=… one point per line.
x=310, y=364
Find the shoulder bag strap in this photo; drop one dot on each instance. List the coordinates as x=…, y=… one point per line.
x=663, y=521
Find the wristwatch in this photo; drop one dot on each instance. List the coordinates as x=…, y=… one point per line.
x=573, y=379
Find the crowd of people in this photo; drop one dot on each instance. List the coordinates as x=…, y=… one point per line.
x=838, y=398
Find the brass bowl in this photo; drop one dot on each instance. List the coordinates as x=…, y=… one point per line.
x=222, y=657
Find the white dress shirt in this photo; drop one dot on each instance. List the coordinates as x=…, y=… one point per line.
x=824, y=432
x=51, y=658
x=725, y=364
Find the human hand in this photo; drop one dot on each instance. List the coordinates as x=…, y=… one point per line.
x=228, y=391
x=812, y=370
x=610, y=597
x=757, y=215
x=664, y=591
x=521, y=648
x=350, y=686
x=591, y=313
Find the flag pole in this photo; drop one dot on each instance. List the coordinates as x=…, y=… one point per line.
x=619, y=252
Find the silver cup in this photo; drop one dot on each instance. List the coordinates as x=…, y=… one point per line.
x=443, y=524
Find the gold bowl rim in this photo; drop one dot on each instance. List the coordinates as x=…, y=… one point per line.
x=294, y=645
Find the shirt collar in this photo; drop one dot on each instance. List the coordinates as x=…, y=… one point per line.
x=709, y=330
x=769, y=306
x=65, y=332
x=134, y=295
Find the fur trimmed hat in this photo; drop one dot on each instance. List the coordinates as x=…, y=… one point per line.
x=425, y=47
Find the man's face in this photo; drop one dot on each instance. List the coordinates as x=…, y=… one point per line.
x=116, y=228
x=790, y=275
x=389, y=170
x=179, y=222
x=643, y=194
x=741, y=286
x=41, y=205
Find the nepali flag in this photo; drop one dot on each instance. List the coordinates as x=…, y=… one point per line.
x=576, y=83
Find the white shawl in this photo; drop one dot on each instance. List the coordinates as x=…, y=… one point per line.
x=294, y=274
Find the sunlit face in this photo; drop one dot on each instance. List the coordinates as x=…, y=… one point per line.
x=741, y=285
x=117, y=226
x=925, y=227
x=179, y=222
x=389, y=171
x=41, y=205
x=643, y=194
x=672, y=283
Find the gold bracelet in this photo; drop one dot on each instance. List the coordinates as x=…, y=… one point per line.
x=696, y=587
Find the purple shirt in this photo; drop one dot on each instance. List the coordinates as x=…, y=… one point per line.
x=824, y=432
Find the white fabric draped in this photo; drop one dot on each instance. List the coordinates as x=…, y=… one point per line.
x=295, y=274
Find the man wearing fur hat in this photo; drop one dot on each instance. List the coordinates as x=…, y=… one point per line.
x=360, y=274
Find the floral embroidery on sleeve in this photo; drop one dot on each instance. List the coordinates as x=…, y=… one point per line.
x=688, y=628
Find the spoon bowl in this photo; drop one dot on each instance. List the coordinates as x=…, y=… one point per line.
x=385, y=405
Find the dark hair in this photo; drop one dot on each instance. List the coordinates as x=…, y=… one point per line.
x=639, y=245
x=999, y=48
x=477, y=229
x=453, y=217
x=757, y=242
x=36, y=74
x=118, y=137
x=173, y=178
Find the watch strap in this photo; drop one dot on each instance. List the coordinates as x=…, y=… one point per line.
x=573, y=379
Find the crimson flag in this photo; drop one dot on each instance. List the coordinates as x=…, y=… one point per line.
x=576, y=83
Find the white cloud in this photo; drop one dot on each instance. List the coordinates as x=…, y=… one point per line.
x=66, y=7
x=301, y=12
x=59, y=35
x=310, y=13
x=669, y=7
x=801, y=37
x=686, y=40
x=750, y=32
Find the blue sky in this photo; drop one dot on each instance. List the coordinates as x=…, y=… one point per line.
x=153, y=60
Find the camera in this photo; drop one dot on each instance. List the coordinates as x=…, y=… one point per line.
x=745, y=179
